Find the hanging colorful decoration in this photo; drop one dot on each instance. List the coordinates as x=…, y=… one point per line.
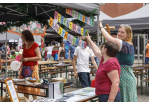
x=80, y=16
x=65, y=34
x=68, y=24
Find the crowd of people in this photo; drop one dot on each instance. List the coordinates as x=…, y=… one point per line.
x=114, y=81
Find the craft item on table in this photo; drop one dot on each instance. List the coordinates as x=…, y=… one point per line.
x=74, y=27
x=88, y=20
x=81, y=17
x=65, y=21
x=74, y=40
x=62, y=19
x=62, y=99
x=73, y=13
x=85, y=44
x=66, y=35
x=70, y=11
x=87, y=90
x=70, y=25
x=69, y=37
x=55, y=15
x=80, y=43
x=82, y=31
x=76, y=14
x=18, y=80
x=67, y=25
x=15, y=65
x=59, y=79
x=63, y=33
x=82, y=94
x=51, y=21
x=69, y=95
x=59, y=17
x=60, y=31
x=77, y=42
x=45, y=100
x=60, y=64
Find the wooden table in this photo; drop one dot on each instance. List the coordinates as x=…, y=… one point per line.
x=141, y=68
x=30, y=85
x=4, y=61
x=64, y=65
x=82, y=98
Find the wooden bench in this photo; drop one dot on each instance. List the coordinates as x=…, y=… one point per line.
x=49, y=68
x=146, y=84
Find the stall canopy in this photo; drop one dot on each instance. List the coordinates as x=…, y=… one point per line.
x=138, y=20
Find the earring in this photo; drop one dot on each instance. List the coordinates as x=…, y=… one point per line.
x=127, y=38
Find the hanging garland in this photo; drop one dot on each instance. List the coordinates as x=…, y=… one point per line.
x=43, y=22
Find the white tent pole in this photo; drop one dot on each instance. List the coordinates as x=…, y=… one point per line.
x=98, y=32
x=6, y=56
x=138, y=38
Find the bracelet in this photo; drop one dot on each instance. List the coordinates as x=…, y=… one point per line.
x=101, y=27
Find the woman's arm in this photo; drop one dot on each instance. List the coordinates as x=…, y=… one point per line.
x=94, y=63
x=37, y=58
x=94, y=47
x=74, y=67
x=60, y=49
x=0, y=63
x=114, y=77
x=109, y=37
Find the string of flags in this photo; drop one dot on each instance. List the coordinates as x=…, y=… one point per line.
x=80, y=16
x=66, y=35
x=69, y=24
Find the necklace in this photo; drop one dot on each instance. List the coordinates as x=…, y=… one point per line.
x=106, y=60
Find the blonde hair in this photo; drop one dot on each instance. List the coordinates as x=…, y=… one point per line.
x=83, y=38
x=129, y=33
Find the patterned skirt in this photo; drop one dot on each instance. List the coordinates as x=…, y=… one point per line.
x=34, y=74
x=127, y=84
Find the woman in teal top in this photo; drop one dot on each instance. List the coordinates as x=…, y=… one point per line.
x=126, y=58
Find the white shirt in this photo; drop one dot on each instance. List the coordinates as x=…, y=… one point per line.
x=49, y=49
x=83, y=55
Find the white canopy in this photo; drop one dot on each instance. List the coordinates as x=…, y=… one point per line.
x=138, y=19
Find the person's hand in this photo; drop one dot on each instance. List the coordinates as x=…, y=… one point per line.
x=88, y=37
x=58, y=59
x=23, y=59
x=75, y=75
x=100, y=24
x=110, y=101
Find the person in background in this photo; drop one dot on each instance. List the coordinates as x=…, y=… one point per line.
x=0, y=64
x=12, y=49
x=71, y=51
x=147, y=53
x=4, y=48
x=49, y=53
x=13, y=55
x=8, y=50
x=31, y=54
x=1, y=46
x=61, y=52
x=108, y=73
x=125, y=57
x=54, y=42
x=83, y=71
x=18, y=57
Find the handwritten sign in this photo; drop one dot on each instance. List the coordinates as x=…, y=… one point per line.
x=11, y=90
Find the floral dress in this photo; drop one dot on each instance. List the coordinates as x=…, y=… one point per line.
x=127, y=78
